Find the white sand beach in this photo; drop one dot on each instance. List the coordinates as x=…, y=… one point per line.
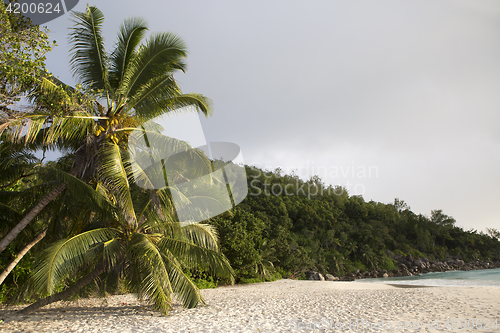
x=281, y=306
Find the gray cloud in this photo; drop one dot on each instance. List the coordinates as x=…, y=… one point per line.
x=409, y=87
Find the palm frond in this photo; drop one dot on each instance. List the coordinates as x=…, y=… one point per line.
x=9, y=217
x=165, y=198
x=147, y=138
x=161, y=215
x=71, y=128
x=96, y=200
x=112, y=252
x=113, y=174
x=149, y=150
x=53, y=96
x=155, y=220
x=89, y=61
x=155, y=282
x=152, y=98
x=65, y=257
x=162, y=54
x=199, y=102
x=51, y=130
x=160, y=95
x=146, y=173
x=203, y=235
x=187, y=292
x=152, y=214
x=14, y=164
x=28, y=197
x=198, y=257
x=130, y=35
x=207, y=203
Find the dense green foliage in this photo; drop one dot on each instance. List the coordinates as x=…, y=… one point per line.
x=99, y=221
x=104, y=224
x=311, y=226
x=23, y=47
x=22, y=61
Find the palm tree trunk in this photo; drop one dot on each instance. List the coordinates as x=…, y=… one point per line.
x=21, y=254
x=30, y=216
x=65, y=293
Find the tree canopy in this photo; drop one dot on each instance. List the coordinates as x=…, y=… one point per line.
x=111, y=226
x=23, y=47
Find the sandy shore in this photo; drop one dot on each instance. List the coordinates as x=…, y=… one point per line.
x=281, y=306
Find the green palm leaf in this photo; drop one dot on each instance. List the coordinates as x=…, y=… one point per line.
x=14, y=164
x=74, y=128
x=89, y=61
x=186, y=290
x=66, y=256
x=198, y=257
x=162, y=54
x=151, y=99
x=198, y=101
x=130, y=35
x=51, y=92
x=155, y=282
x=51, y=131
x=114, y=175
x=9, y=216
x=203, y=235
x=97, y=201
x=134, y=234
x=112, y=252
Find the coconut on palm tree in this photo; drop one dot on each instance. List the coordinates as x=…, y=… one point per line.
x=117, y=92
x=139, y=239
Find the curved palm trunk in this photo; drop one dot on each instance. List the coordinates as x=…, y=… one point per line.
x=65, y=293
x=30, y=216
x=21, y=254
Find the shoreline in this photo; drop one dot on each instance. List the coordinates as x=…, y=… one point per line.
x=446, y=279
x=279, y=306
x=409, y=286
x=407, y=266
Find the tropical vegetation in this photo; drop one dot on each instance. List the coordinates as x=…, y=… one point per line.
x=313, y=226
x=93, y=223
x=119, y=229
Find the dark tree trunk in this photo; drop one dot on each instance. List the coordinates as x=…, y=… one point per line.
x=77, y=170
x=21, y=254
x=65, y=293
x=30, y=216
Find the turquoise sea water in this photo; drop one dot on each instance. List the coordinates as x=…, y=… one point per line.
x=479, y=278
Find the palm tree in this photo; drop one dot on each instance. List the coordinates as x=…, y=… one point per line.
x=266, y=258
x=16, y=165
x=21, y=254
x=58, y=218
x=117, y=93
x=142, y=244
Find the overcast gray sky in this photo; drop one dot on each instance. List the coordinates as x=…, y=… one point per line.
x=406, y=91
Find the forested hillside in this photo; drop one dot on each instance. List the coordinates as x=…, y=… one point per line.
x=106, y=217
x=304, y=225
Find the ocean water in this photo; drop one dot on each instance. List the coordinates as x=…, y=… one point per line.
x=479, y=278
